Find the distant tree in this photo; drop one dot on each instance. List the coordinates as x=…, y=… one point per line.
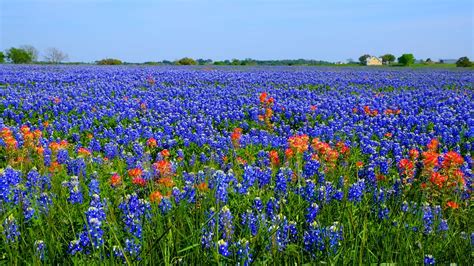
x=248, y=62
x=388, y=58
x=18, y=56
x=186, y=61
x=166, y=62
x=109, y=61
x=55, y=56
x=441, y=61
x=406, y=59
x=429, y=61
x=202, y=62
x=464, y=62
x=363, y=59
x=32, y=51
x=2, y=57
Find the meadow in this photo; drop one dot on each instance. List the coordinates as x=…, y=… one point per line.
x=237, y=166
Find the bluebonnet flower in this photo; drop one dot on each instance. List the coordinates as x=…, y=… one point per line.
x=111, y=150
x=293, y=231
x=63, y=156
x=314, y=239
x=311, y=168
x=208, y=230
x=134, y=210
x=250, y=220
x=28, y=211
x=222, y=185
x=429, y=260
x=94, y=185
x=176, y=193
x=248, y=179
x=272, y=207
x=223, y=248
x=165, y=205
x=309, y=190
x=11, y=229
x=225, y=223
x=33, y=180
x=40, y=251
x=78, y=245
x=9, y=182
x=280, y=222
x=356, y=191
x=264, y=176
x=312, y=211
x=258, y=205
x=335, y=236
x=427, y=219
x=443, y=225
x=383, y=212
x=95, y=216
x=281, y=182
x=77, y=167
x=75, y=192
x=404, y=206
x=44, y=202
x=118, y=253
x=133, y=248
x=243, y=252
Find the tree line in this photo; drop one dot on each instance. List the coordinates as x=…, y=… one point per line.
x=28, y=54
x=409, y=59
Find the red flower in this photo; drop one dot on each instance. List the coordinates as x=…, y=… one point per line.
x=359, y=164
x=274, y=160
x=164, y=167
x=430, y=159
x=235, y=137
x=380, y=177
x=165, y=153
x=135, y=172
x=156, y=197
x=406, y=167
x=438, y=179
x=263, y=97
x=313, y=107
x=139, y=181
x=166, y=181
x=414, y=154
x=202, y=187
x=115, y=180
x=241, y=161
x=289, y=153
x=83, y=152
x=299, y=143
x=151, y=142
x=433, y=145
x=270, y=101
x=452, y=159
x=452, y=205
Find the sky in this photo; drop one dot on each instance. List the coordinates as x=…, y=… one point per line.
x=332, y=30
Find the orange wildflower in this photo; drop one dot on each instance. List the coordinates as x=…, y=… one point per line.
x=151, y=142
x=156, y=197
x=452, y=205
x=115, y=180
x=299, y=143
x=274, y=160
x=135, y=172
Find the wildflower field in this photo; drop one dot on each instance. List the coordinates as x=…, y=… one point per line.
x=176, y=165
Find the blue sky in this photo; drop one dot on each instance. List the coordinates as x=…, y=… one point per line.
x=145, y=30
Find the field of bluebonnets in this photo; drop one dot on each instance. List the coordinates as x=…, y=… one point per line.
x=171, y=165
